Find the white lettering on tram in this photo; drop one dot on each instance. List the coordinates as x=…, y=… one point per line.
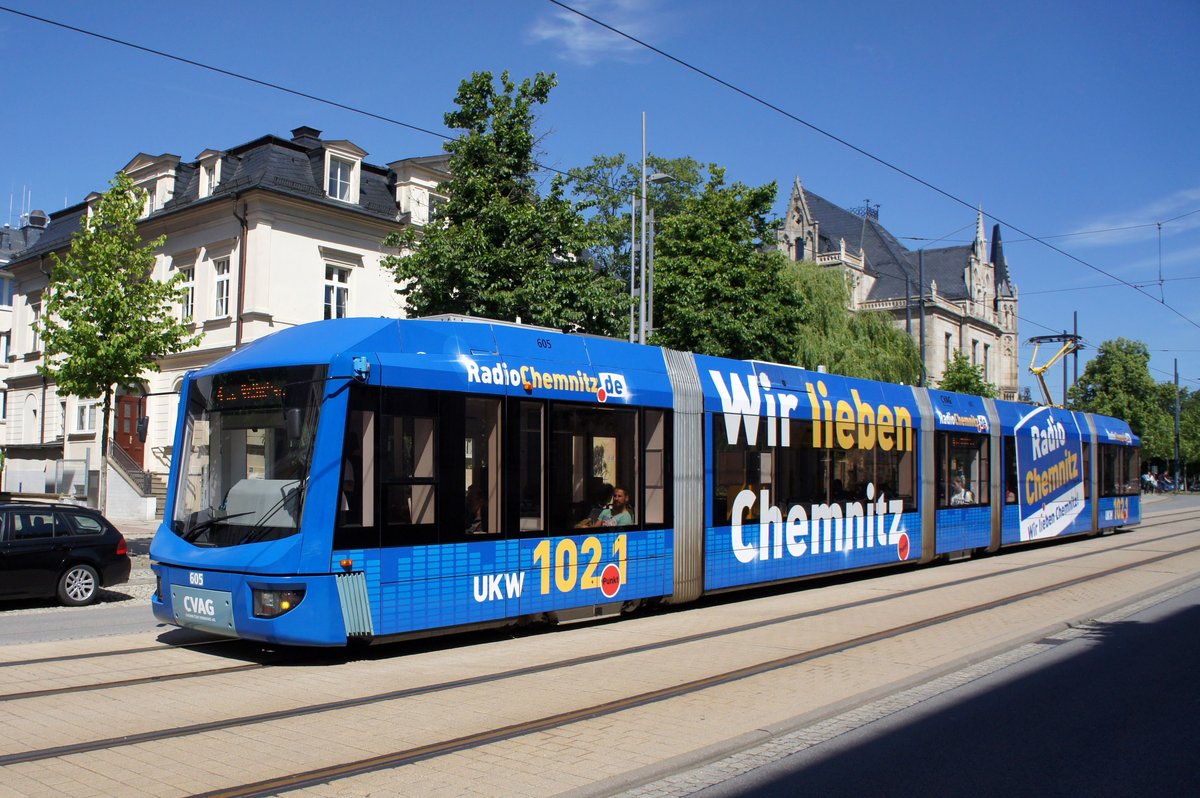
x=488, y=587
x=199, y=606
x=742, y=407
x=823, y=528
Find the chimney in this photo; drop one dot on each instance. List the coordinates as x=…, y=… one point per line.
x=38, y=219
x=307, y=137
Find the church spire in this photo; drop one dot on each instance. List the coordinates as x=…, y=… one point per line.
x=980, y=238
x=1000, y=263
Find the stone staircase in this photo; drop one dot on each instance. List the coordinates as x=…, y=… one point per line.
x=146, y=483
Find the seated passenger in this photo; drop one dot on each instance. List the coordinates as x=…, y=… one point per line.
x=959, y=495
x=475, y=509
x=618, y=513
x=599, y=495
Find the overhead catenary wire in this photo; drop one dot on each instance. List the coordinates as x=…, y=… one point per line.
x=881, y=161
x=445, y=137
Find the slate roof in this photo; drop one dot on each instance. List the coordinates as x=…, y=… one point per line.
x=270, y=163
x=889, y=261
x=16, y=239
x=886, y=258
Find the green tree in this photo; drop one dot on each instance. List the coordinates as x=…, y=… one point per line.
x=610, y=184
x=717, y=289
x=106, y=320
x=497, y=248
x=1189, y=430
x=1189, y=424
x=1117, y=382
x=863, y=344
x=963, y=377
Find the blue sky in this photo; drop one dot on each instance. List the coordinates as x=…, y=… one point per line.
x=1058, y=119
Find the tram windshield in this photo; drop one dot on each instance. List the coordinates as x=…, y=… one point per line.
x=247, y=451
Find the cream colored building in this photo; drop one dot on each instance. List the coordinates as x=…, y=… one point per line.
x=269, y=234
x=970, y=301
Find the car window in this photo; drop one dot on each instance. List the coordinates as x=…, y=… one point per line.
x=32, y=524
x=85, y=524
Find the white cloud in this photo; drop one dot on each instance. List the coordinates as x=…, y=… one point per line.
x=1140, y=224
x=587, y=43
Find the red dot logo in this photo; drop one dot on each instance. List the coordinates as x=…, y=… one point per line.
x=601, y=395
x=610, y=580
x=902, y=546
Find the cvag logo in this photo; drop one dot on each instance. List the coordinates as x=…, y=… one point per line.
x=199, y=606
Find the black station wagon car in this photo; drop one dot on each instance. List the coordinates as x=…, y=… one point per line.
x=58, y=549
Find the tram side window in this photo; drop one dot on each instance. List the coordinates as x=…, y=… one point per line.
x=1086, y=451
x=896, y=476
x=799, y=474
x=593, y=453
x=408, y=466
x=481, y=461
x=1110, y=469
x=737, y=466
x=889, y=474
x=1010, y=470
x=964, y=475
x=1120, y=467
x=356, y=497
x=530, y=446
x=656, y=499
x=1131, y=464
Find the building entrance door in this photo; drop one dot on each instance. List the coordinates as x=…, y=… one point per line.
x=125, y=434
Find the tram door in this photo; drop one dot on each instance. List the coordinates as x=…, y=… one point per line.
x=126, y=434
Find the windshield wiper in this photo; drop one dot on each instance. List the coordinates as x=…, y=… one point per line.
x=260, y=528
x=203, y=526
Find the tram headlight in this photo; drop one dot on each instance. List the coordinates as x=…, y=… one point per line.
x=273, y=603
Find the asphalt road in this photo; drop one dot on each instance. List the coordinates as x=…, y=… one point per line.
x=122, y=609
x=1114, y=713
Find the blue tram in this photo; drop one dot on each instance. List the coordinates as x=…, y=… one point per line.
x=366, y=479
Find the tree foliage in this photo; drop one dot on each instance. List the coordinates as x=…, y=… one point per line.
x=717, y=290
x=1189, y=424
x=1189, y=428
x=863, y=344
x=106, y=320
x=610, y=185
x=497, y=248
x=1117, y=382
x=963, y=377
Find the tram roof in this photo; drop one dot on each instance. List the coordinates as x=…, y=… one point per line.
x=316, y=343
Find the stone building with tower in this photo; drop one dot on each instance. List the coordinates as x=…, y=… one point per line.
x=967, y=292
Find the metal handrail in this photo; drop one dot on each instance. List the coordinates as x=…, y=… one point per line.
x=131, y=468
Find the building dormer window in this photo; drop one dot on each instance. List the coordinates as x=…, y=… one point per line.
x=341, y=173
x=210, y=178
x=343, y=170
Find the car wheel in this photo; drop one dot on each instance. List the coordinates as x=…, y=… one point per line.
x=78, y=585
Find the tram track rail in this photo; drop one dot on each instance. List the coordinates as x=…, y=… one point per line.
x=278, y=658
x=405, y=756
x=324, y=775
x=225, y=642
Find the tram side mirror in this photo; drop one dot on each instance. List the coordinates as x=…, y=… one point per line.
x=143, y=426
x=292, y=420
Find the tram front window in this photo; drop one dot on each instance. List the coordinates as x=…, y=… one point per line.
x=247, y=451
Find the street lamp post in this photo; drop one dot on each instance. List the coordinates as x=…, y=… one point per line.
x=642, y=264
x=645, y=263
x=658, y=179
